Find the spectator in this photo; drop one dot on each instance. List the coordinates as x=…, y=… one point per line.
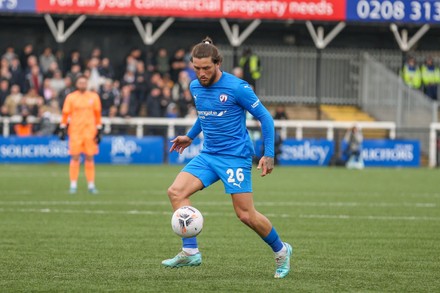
x=251, y=65
x=154, y=103
x=4, y=90
x=9, y=54
x=280, y=113
x=105, y=69
x=23, y=128
x=10, y=106
x=177, y=64
x=65, y=91
x=74, y=59
x=185, y=103
x=16, y=72
x=47, y=92
x=57, y=83
x=74, y=72
x=162, y=61
x=95, y=79
x=430, y=78
x=52, y=68
x=107, y=96
x=411, y=73
x=353, y=151
x=96, y=53
x=46, y=58
x=28, y=51
x=30, y=63
x=31, y=103
x=34, y=79
x=4, y=70
x=141, y=87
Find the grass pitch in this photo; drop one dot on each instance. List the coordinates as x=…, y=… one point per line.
x=374, y=230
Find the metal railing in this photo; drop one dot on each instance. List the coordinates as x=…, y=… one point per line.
x=171, y=124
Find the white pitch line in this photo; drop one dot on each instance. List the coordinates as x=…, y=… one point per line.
x=225, y=203
x=148, y=212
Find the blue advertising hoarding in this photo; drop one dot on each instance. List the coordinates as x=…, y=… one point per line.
x=187, y=155
x=112, y=150
x=404, y=11
x=391, y=153
x=17, y=5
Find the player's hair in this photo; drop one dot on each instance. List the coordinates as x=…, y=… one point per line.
x=206, y=49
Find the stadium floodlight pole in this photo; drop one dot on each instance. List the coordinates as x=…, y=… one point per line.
x=58, y=32
x=321, y=43
x=234, y=37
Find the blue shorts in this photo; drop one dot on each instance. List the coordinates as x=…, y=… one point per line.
x=234, y=172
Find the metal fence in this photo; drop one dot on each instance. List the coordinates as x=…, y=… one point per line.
x=386, y=97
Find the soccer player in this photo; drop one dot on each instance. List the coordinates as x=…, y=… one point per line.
x=221, y=101
x=82, y=109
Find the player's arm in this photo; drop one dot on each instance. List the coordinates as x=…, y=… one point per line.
x=97, y=109
x=64, y=118
x=181, y=142
x=250, y=102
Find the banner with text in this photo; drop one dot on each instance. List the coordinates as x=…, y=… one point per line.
x=391, y=153
x=247, y=9
x=406, y=11
x=112, y=149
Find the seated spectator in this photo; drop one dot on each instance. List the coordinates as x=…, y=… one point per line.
x=95, y=79
x=73, y=59
x=47, y=92
x=31, y=103
x=162, y=61
x=74, y=73
x=280, y=113
x=28, y=50
x=177, y=64
x=34, y=79
x=10, y=106
x=64, y=92
x=23, y=128
x=5, y=73
x=16, y=71
x=9, y=54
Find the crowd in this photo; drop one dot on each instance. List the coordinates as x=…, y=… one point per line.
x=36, y=83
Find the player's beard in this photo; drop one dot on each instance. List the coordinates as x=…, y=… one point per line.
x=210, y=81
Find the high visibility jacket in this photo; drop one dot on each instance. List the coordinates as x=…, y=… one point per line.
x=254, y=65
x=430, y=75
x=412, y=76
x=23, y=129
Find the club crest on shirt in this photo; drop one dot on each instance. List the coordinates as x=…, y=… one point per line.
x=223, y=98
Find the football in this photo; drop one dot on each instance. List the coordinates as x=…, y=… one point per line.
x=187, y=222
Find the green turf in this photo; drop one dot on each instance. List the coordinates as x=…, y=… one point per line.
x=373, y=230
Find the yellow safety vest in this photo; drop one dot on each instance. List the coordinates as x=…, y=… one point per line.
x=254, y=67
x=430, y=76
x=413, y=78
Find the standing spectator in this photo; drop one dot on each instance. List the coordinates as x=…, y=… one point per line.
x=46, y=58
x=74, y=59
x=57, y=82
x=141, y=86
x=31, y=103
x=16, y=72
x=154, y=103
x=4, y=90
x=28, y=50
x=30, y=63
x=105, y=69
x=177, y=64
x=430, y=78
x=162, y=61
x=251, y=65
x=34, y=80
x=65, y=91
x=74, y=72
x=411, y=73
x=95, y=79
x=107, y=96
x=9, y=54
x=10, y=106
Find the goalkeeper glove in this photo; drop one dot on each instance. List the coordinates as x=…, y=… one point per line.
x=98, y=136
x=62, y=132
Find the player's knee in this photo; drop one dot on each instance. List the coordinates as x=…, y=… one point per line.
x=174, y=193
x=245, y=218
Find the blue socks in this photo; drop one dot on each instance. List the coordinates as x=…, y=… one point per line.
x=189, y=242
x=273, y=240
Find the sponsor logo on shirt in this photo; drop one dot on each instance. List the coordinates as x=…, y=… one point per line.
x=204, y=114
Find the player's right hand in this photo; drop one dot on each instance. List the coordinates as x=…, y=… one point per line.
x=180, y=143
x=62, y=133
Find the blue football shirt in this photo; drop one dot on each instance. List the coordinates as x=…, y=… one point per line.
x=221, y=110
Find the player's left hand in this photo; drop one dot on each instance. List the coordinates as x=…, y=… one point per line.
x=98, y=136
x=180, y=143
x=267, y=164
